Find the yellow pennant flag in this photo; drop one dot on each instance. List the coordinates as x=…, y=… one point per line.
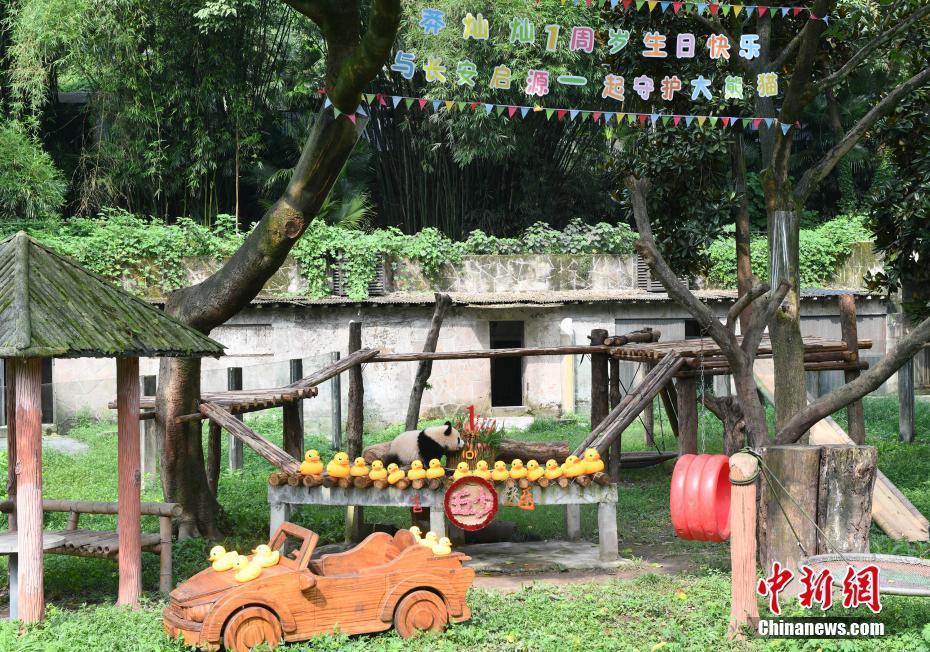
x=537, y=108
x=701, y=120
x=737, y=9
x=449, y=105
x=652, y=4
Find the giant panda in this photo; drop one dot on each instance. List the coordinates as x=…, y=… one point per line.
x=424, y=445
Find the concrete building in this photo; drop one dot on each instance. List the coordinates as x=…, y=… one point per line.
x=498, y=302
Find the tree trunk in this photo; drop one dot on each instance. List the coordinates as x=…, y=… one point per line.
x=844, y=501
x=356, y=417
x=741, y=220
x=425, y=368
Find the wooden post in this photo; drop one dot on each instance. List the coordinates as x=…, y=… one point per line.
x=165, y=577
x=296, y=369
x=686, y=389
x=148, y=445
x=425, y=367
x=744, y=607
x=567, y=338
x=844, y=497
x=9, y=370
x=28, y=419
x=906, y=402
x=293, y=417
x=355, y=422
x=797, y=468
x=335, y=390
x=850, y=330
x=607, y=531
x=214, y=452
x=129, y=524
x=599, y=396
x=234, y=382
x=613, y=461
x=648, y=417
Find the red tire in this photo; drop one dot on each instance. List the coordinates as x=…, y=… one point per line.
x=700, y=497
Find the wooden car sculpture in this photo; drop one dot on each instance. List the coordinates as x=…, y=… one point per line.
x=383, y=580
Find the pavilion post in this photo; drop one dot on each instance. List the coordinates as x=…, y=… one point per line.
x=28, y=470
x=9, y=368
x=129, y=525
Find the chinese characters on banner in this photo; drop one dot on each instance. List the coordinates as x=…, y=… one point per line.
x=538, y=82
x=471, y=503
x=859, y=588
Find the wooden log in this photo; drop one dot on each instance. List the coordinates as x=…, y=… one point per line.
x=335, y=405
x=401, y=484
x=600, y=402
x=613, y=456
x=329, y=482
x=361, y=482
x=521, y=352
x=797, y=469
x=602, y=479
x=296, y=374
x=583, y=480
x=436, y=483
x=744, y=606
x=294, y=480
x=214, y=453
x=417, y=484
x=906, y=402
x=277, y=478
x=129, y=486
x=92, y=507
x=523, y=483
x=338, y=366
x=293, y=430
x=312, y=480
x=686, y=389
x=543, y=482
x=28, y=419
x=344, y=483
x=425, y=368
x=844, y=498
x=251, y=438
x=850, y=331
x=669, y=404
x=562, y=482
x=380, y=484
x=166, y=574
x=645, y=335
x=356, y=416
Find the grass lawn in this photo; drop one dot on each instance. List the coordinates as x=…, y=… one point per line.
x=687, y=610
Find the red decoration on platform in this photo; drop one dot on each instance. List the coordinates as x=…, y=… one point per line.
x=471, y=503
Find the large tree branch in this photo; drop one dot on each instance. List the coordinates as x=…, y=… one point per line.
x=788, y=50
x=762, y=316
x=743, y=302
x=646, y=247
x=819, y=171
x=866, y=383
x=853, y=62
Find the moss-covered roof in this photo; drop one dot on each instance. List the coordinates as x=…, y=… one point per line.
x=51, y=307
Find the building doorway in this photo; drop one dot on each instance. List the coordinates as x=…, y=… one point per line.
x=506, y=373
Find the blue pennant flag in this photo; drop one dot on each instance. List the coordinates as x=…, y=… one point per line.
x=327, y=103
x=688, y=120
x=749, y=9
x=436, y=105
x=784, y=11
x=826, y=20
x=654, y=118
x=395, y=100
x=614, y=3
x=700, y=8
x=785, y=129
x=524, y=110
x=665, y=6
x=488, y=108
x=608, y=117
x=573, y=114
x=769, y=122
x=360, y=110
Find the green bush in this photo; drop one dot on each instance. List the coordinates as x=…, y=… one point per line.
x=31, y=187
x=821, y=249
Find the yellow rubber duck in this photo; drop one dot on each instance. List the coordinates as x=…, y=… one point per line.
x=481, y=470
x=222, y=560
x=500, y=472
x=517, y=470
x=311, y=464
x=533, y=471
x=430, y=540
x=443, y=547
x=339, y=466
x=435, y=470
x=553, y=470
x=573, y=467
x=416, y=472
x=265, y=556
x=417, y=535
x=359, y=469
x=378, y=471
x=461, y=471
x=592, y=462
x=395, y=474
x=246, y=570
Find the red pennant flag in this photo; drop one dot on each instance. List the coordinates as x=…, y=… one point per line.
x=676, y=119
x=588, y=2
x=422, y=103
x=474, y=105
x=642, y=119
x=797, y=123
x=626, y=4
x=596, y=116
x=762, y=9
x=561, y=113
x=511, y=110
x=676, y=7
x=726, y=121
x=714, y=8
x=321, y=91
x=351, y=116
x=381, y=100
x=796, y=11
x=813, y=17
x=756, y=123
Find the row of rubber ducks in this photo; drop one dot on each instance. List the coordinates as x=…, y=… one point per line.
x=339, y=467
x=439, y=546
x=573, y=467
x=247, y=568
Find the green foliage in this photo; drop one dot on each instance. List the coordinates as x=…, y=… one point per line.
x=822, y=248
x=31, y=187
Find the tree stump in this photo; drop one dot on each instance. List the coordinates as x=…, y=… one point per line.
x=417, y=484
x=361, y=482
x=844, y=501
x=293, y=480
x=312, y=480
x=379, y=484
x=563, y=482
x=583, y=480
x=543, y=482
x=401, y=484
x=602, y=478
x=435, y=484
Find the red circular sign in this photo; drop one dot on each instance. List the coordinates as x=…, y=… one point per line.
x=471, y=503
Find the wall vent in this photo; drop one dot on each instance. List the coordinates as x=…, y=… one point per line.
x=645, y=280
x=377, y=287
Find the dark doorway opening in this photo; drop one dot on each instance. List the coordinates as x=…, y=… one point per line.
x=506, y=373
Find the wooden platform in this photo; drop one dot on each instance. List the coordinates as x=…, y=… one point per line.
x=284, y=498
x=8, y=541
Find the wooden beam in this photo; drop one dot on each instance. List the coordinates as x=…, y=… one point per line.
x=31, y=595
x=129, y=486
x=356, y=416
x=686, y=389
x=613, y=459
x=96, y=507
x=250, y=438
x=490, y=353
x=337, y=367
